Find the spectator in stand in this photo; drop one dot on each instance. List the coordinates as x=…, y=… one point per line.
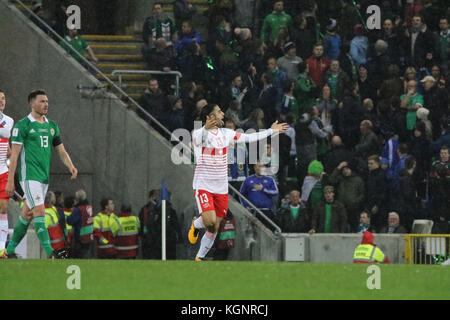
x=186, y=37
x=350, y=190
x=267, y=100
x=233, y=113
x=158, y=25
x=407, y=198
x=289, y=62
x=371, y=114
x=145, y=215
x=154, y=101
x=260, y=190
x=337, y=154
x=403, y=154
x=438, y=76
x=273, y=22
x=189, y=99
x=419, y=147
x=332, y=41
x=192, y=65
x=304, y=37
x=422, y=116
x=321, y=132
x=237, y=91
x=237, y=155
x=439, y=191
x=444, y=138
x=347, y=64
x=275, y=49
x=392, y=85
x=278, y=78
x=183, y=10
x=312, y=188
x=176, y=116
x=365, y=222
x=368, y=142
x=436, y=100
x=305, y=88
x=102, y=230
x=367, y=87
x=359, y=45
x=317, y=65
x=348, y=18
x=444, y=41
x=160, y=57
x=379, y=62
x=289, y=104
x=255, y=121
x=326, y=104
x=393, y=224
x=442, y=162
x=292, y=217
x=411, y=101
x=376, y=195
x=80, y=45
x=329, y=216
x=337, y=80
x=390, y=36
x=421, y=47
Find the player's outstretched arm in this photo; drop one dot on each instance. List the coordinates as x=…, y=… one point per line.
x=15, y=151
x=65, y=158
x=279, y=127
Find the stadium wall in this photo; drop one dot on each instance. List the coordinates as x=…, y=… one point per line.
x=116, y=153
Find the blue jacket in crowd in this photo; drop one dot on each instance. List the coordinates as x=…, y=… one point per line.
x=262, y=199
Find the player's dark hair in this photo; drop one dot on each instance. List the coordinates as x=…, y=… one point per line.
x=2, y=90
x=104, y=203
x=33, y=94
x=206, y=111
x=69, y=202
x=403, y=148
x=409, y=163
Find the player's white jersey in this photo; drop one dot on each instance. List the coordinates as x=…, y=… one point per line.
x=211, y=148
x=6, y=125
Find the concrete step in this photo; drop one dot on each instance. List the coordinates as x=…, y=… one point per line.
x=118, y=57
x=110, y=38
x=107, y=48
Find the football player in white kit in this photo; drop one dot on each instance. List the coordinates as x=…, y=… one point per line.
x=6, y=124
x=210, y=183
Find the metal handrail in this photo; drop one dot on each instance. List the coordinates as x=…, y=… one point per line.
x=87, y=62
x=177, y=74
x=113, y=85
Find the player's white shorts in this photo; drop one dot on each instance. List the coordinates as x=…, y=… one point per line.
x=34, y=192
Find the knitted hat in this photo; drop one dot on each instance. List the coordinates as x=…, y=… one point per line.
x=358, y=30
x=288, y=46
x=315, y=167
x=422, y=113
x=332, y=25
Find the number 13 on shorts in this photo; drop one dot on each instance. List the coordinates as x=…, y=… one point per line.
x=207, y=201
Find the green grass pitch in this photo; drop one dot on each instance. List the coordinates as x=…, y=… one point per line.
x=189, y=280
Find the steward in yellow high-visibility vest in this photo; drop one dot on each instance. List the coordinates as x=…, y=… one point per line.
x=56, y=235
x=125, y=229
x=368, y=252
x=102, y=230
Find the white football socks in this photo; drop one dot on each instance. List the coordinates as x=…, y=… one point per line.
x=198, y=223
x=3, y=229
x=206, y=244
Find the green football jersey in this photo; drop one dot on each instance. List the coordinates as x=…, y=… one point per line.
x=37, y=140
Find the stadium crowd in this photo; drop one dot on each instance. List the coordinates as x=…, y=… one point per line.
x=368, y=147
x=368, y=108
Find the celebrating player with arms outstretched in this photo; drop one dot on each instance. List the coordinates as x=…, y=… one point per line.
x=210, y=178
x=6, y=124
x=33, y=138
